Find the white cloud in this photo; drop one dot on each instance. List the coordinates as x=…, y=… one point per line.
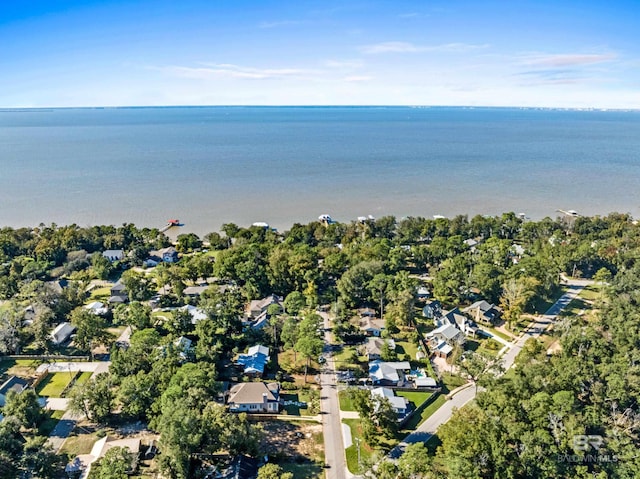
x=566, y=60
x=357, y=78
x=348, y=64
x=406, y=47
x=218, y=70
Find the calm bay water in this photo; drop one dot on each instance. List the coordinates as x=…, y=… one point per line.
x=208, y=166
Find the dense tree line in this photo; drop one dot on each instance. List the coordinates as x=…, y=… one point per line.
x=372, y=263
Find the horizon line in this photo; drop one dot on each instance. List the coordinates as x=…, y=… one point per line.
x=417, y=106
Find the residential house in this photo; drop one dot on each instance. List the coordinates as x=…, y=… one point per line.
x=460, y=321
x=118, y=293
x=432, y=310
x=256, y=397
x=62, y=332
x=257, y=311
x=371, y=326
x=113, y=255
x=97, y=308
x=184, y=346
x=164, y=255
x=374, y=346
x=242, y=467
x=399, y=404
x=195, y=291
x=57, y=286
x=483, y=312
x=12, y=384
x=443, y=339
x=196, y=313
x=254, y=361
x=423, y=293
x=388, y=373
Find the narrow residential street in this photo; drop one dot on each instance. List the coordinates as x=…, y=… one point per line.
x=334, y=449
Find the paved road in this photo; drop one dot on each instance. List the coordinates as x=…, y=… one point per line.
x=535, y=329
x=62, y=430
x=330, y=412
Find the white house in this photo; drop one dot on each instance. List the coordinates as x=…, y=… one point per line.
x=399, y=404
x=113, y=254
x=97, y=308
x=62, y=332
x=390, y=373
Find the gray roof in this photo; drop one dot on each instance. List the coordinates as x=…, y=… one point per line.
x=447, y=331
x=14, y=383
x=252, y=393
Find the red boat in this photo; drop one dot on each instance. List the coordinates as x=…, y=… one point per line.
x=173, y=222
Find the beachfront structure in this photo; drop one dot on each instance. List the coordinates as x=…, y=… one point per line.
x=61, y=333
x=254, y=398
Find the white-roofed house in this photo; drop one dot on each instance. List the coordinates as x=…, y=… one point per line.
x=399, y=404
x=113, y=255
x=97, y=308
x=62, y=332
x=388, y=373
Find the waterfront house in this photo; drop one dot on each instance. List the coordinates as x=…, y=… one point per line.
x=256, y=397
x=164, y=255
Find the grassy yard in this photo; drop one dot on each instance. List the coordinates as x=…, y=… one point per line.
x=50, y=422
x=23, y=368
x=406, y=347
x=79, y=444
x=489, y=347
x=497, y=332
x=54, y=384
x=83, y=378
x=416, y=397
x=591, y=292
x=421, y=416
x=100, y=294
x=311, y=470
x=541, y=305
x=345, y=400
x=352, y=451
x=298, y=396
x=451, y=382
x=344, y=359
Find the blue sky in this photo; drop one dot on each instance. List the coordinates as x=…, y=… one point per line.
x=560, y=53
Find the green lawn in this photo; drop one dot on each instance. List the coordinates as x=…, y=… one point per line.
x=406, y=347
x=421, y=416
x=489, y=347
x=298, y=396
x=416, y=397
x=345, y=400
x=54, y=384
x=541, y=305
x=352, y=451
x=50, y=422
x=311, y=470
x=498, y=333
x=79, y=444
x=83, y=378
x=100, y=294
x=344, y=359
x=591, y=292
x=451, y=382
